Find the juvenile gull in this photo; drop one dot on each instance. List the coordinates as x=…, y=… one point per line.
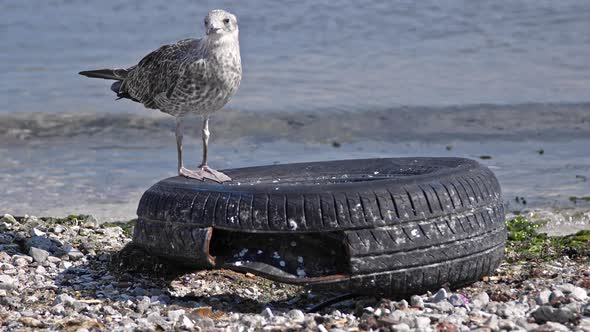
x=192, y=76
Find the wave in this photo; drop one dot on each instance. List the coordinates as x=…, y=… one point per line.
x=522, y=121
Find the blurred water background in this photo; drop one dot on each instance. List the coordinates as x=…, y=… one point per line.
x=508, y=81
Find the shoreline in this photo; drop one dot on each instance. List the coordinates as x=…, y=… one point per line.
x=71, y=278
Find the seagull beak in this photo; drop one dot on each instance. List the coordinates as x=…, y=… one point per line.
x=213, y=30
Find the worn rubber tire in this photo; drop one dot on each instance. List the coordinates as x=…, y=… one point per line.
x=393, y=226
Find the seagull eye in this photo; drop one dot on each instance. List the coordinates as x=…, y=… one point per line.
x=226, y=20
x=206, y=22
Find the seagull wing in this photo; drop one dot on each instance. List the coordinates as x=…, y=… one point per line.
x=158, y=72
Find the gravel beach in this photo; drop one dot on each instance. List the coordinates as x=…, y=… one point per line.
x=68, y=275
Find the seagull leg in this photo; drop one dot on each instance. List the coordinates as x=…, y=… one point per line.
x=181, y=170
x=204, y=169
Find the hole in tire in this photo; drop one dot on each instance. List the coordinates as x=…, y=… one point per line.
x=290, y=257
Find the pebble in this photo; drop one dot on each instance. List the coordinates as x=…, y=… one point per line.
x=421, y=322
x=417, y=302
x=403, y=305
x=444, y=306
x=7, y=218
x=555, y=327
x=579, y=294
x=456, y=300
x=64, y=299
x=543, y=297
x=58, y=309
x=41, y=242
x=186, y=323
x=566, y=288
x=39, y=255
x=7, y=282
x=65, y=265
x=547, y=313
x=24, y=258
x=6, y=238
x=75, y=254
x=439, y=296
x=296, y=315
x=36, y=232
x=492, y=322
x=31, y=322
x=143, y=305
x=480, y=300
x=72, y=280
x=267, y=313
x=402, y=327
x=397, y=316
x=20, y=262
x=205, y=323
x=174, y=315
x=507, y=325
x=555, y=295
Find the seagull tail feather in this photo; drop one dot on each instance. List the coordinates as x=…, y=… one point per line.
x=108, y=74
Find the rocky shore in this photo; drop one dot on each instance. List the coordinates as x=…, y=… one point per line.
x=68, y=275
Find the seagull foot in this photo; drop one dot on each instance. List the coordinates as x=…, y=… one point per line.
x=204, y=172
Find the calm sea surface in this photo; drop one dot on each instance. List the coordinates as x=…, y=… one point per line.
x=322, y=80
x=309, y=55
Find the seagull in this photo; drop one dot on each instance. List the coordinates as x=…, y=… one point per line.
x=191, y=76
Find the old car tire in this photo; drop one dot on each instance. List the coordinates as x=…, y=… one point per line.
x=392, y=226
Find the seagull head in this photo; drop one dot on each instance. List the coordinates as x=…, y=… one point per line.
x=219, y=24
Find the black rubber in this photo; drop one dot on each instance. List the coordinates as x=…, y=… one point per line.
x=392, y=226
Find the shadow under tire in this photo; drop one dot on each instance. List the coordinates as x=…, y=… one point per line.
x=392, y=226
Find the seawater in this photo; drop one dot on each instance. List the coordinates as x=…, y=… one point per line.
x=322, y=80
x=313, y=55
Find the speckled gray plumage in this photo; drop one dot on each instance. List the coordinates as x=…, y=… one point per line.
x=197, y=76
